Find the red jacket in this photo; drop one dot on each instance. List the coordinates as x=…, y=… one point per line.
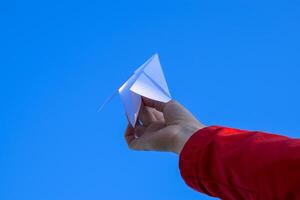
x=236, y=164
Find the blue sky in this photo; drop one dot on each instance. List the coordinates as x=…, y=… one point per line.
x=232, y=63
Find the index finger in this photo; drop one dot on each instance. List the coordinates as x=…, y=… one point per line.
x=154, y=104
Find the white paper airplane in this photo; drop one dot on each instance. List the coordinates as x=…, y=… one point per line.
x=148, y=81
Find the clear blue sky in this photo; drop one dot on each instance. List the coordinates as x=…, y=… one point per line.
x=233, y=63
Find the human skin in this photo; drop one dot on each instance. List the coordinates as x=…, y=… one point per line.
x=162, y=127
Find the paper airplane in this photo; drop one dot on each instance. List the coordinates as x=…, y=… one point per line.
x=148, y=81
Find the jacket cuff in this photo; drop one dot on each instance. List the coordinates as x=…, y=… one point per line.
x=191, y=154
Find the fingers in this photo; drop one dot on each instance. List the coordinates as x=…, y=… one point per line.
x=158, y=140
x=153, y=104
x=157, y=115
x=144, y=138
x=171, y=112
x=132, y=135
x=139, y=131
x=139, y=139
x=146, y=116
x=129, y=134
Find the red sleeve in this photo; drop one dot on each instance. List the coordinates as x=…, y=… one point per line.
x=236, y=164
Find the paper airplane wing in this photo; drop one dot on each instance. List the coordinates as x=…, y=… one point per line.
x=142, y=67
x=130, y=100
x=155, y=72
x=146, y=87
x=151, y=82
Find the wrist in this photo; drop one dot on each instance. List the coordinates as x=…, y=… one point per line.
x=184, y=135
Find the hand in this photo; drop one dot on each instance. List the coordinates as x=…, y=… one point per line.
x=161, y=127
